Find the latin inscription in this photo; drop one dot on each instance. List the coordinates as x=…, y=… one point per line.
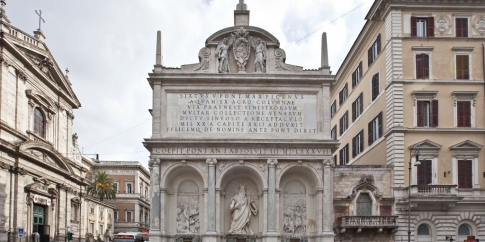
x=240, y=151
x=241, y=113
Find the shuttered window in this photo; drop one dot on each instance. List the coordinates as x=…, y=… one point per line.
x=375, y=86
x=425, y=173
x=333, y=133
x=344, y=122
x=422, y=66
x=465, y=174
x=427, y=113
x=463, y=116
x=357, y=107
x=374, y=50
x=462, y=67
x=375, y=129
x=333, y=109
x=422, y=27
x=364, y=205
x=344, y=155
x=357, y=75
x=358, y=144
x=343, y=94
x=461, y=27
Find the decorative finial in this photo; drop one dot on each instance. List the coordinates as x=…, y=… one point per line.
x=67, y=72
x=41, y=20
x=241, y=14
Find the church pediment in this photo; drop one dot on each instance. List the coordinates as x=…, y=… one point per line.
x=46, y=153
x=466, y=145
x=44, y=66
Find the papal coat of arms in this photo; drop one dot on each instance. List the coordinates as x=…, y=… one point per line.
x=241, y=48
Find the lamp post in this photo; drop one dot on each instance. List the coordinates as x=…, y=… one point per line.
x=414, y=150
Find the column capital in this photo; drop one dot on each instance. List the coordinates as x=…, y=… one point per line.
x=211, y=161
x=328, y=163
x=153, y=162
x=272, y=162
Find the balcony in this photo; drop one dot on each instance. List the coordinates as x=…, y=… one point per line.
x=445, y=196
x=378, y=223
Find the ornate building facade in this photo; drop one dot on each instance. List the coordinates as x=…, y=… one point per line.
x=413, y=84
x=43, y=175
x=241, y=146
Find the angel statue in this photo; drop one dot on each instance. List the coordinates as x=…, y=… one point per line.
x=222, y=54
x=259, y=47
x=242, y=207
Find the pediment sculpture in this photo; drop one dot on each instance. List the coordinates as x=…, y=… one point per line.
x=241, y=44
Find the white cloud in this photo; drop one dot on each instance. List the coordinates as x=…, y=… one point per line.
x=109, y=47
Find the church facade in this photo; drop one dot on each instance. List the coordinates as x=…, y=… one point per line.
x=241, y=148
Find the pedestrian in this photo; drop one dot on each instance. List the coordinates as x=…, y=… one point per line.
x=36, y=236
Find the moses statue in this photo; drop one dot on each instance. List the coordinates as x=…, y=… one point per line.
x=241, y=209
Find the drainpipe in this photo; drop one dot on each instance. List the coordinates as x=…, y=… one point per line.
x=483, y=65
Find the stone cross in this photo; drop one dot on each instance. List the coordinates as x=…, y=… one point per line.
x=40, y=17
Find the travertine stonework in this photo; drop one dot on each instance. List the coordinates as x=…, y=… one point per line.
x=240, y=146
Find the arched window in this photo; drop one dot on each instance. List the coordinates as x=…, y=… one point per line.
x=463, y=231
x=39, y=123
x=424, y=233
x=364, y=205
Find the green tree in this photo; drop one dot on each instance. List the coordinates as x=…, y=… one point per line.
x=102, y=187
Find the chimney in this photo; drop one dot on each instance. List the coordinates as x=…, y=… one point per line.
x=241, y=14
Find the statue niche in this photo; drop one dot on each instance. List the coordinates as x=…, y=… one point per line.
x=294, y=208
x=242, y=207
x=188, y=208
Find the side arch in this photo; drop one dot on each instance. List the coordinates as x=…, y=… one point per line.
x=180, y=168
x=305, y=169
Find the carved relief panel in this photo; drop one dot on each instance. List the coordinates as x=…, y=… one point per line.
x=188, y=208
x=294, y=208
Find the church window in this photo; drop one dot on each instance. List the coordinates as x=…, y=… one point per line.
x=39, y=123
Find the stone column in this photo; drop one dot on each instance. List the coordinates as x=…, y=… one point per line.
x=211, y=196
x=155, y=207
x=328, y=215
x=272, y=195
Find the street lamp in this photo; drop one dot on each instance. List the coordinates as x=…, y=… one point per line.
x=415, y=151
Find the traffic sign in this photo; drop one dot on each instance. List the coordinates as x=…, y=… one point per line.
x=144, y=233
x=21, y=232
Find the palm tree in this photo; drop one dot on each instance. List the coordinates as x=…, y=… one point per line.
x=102, y=187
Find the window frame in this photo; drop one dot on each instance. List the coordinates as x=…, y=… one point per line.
x=426, y=76
x=357, y=75
x=358, y=107
x=429, y=26
x=470, y=226
x=467, y=28
x=344, y=155
x=344, y=123
x=371, y=138
x=333, y=133
x=375, y=80
x=425, y=238
x=469, y=96
x=343, y=94
x=358, y=144
x=375, y=209
x=131, y=216
x=374, y=51
x=455, y=65
x=466, y=150
x=131, y=186
x=333, y=109
x=39, y=123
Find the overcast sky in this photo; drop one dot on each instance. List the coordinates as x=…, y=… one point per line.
x=109, y=48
